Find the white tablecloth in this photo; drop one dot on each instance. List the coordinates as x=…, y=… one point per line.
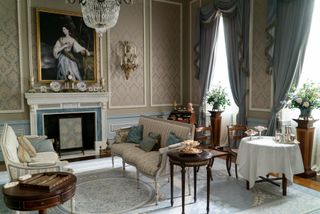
x=259, y=156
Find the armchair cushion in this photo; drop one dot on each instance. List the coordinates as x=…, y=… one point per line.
x=40, y=164
x=42, y=145
x=122, y=135
x=120, y=148
x=157, y=137
x=148, y=143
x=173, y=139
x=45, y=157
x=149, y=162
x=23, y=155
x=25, y=143
x=135, y=134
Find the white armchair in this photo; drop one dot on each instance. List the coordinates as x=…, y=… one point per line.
x=43, y=161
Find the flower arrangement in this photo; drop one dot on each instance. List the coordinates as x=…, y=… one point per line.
x=307, y=97
x=217, y=98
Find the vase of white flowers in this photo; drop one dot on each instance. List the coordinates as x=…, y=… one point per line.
x=305, y=99
x=218, y=98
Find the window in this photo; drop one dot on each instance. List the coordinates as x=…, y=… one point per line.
x=220, y=76
x=311, y=64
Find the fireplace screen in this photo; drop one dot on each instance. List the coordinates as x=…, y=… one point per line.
x=70, y=133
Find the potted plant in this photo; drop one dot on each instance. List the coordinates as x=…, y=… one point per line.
x=218, y=99
x=305, y=99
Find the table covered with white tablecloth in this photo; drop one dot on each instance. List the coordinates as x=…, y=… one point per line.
x=259, y=156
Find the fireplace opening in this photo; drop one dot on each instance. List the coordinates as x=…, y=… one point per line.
x=71, y=132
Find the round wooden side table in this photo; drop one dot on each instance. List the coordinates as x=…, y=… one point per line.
x=190, y=160
x=28, y=199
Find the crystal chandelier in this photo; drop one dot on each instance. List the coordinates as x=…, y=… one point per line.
x=100, y=15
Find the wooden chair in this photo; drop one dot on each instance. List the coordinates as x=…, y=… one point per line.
x=203, y=135
x=235, y=134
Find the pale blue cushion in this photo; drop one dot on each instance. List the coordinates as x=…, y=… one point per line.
x=41, y=145
x=135, y=134
x=157, y=137
x=148, y=143
x=173, y=139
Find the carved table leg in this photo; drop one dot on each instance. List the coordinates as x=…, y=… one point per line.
x=195, y=183
x=183, y=180
x=171, y=183
x=284, y=185
x=208, y=185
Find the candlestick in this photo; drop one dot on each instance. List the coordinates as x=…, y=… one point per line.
x=32, y=82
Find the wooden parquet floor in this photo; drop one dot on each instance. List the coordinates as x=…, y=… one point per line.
x=312, y=183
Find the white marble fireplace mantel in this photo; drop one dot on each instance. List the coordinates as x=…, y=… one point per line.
x=64, y=101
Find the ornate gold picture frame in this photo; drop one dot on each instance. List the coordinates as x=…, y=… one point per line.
x=66, y=47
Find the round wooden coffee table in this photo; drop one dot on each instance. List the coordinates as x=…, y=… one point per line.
x=28, y=199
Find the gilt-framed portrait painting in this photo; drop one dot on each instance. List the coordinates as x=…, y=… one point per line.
x=65, y=46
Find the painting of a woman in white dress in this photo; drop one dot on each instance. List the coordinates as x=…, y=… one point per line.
x=67, y=62
x=66, y=46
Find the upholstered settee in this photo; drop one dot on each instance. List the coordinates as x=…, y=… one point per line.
x=151, y=163
x=18, y=161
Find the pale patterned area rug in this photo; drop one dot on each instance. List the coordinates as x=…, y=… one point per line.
x=109, y=192
x=103, y=189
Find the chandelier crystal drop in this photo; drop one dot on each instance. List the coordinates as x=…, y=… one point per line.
x=100, y=15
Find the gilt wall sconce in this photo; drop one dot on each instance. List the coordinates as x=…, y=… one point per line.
x=128, y=58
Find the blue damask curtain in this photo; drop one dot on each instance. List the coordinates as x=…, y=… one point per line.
x=236, y=23
x=287, y=33
x=209, y=23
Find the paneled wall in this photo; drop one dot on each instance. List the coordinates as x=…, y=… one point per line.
x=11, y=83
x=131, y=25
x=166, y=52
x=164, y=33
x=260, y=98
x=156, y=29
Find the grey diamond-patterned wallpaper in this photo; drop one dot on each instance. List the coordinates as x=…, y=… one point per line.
x=130, y=27
x=158, y=83
x=10, y=80
x=260, y=80
x=165, y=58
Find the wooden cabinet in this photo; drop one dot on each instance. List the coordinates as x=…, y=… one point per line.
x=183, y=116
